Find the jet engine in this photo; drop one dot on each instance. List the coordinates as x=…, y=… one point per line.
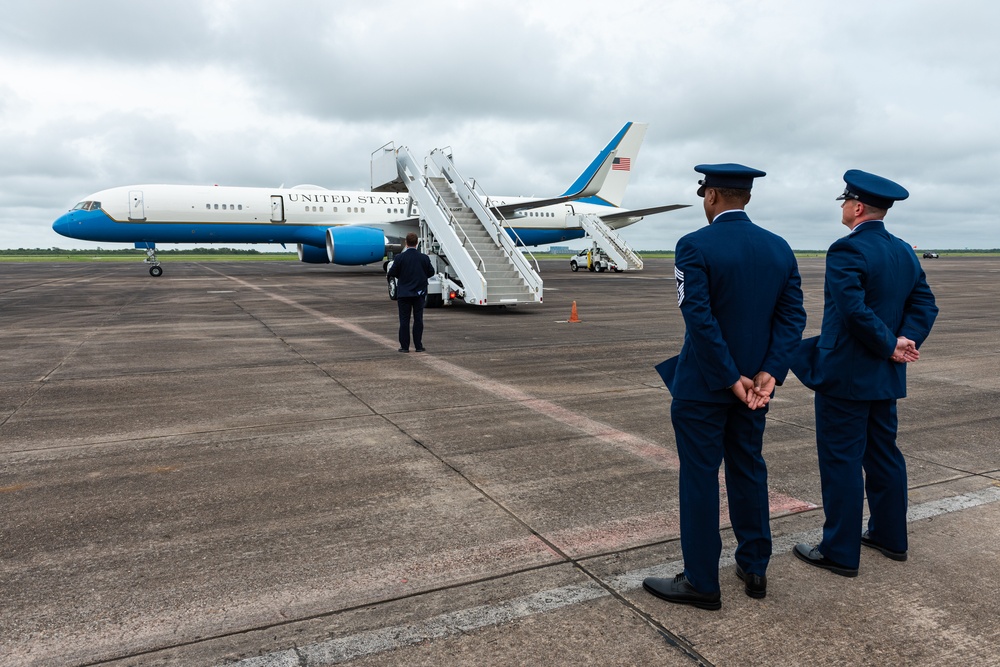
x=349, y=246
x=352, y=246
x=310, y=254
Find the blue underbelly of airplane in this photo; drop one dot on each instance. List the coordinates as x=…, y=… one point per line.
x=97, y=226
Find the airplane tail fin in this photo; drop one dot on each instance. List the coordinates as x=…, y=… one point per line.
x=626, y=144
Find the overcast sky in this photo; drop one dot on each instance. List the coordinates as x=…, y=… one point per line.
x=99, y=94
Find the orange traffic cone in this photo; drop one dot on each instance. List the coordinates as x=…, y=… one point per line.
x=572, y=314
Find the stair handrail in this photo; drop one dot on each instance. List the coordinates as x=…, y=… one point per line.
x=455, y=224
x=593, y=224
x=532, y=280
x=434, y=212
x=519, y=242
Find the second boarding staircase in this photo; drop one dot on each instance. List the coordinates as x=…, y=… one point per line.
x=608, y=240
x=467, y=242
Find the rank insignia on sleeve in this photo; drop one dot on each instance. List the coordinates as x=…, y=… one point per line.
x=679, y=277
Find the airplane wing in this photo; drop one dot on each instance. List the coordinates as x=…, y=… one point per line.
x=642, y=212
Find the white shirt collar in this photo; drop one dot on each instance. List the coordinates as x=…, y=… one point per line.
x=732, y=210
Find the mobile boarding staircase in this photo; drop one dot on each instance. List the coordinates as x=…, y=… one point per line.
x=609, y=242
x=474, y=258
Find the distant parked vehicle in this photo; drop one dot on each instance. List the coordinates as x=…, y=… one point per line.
x=930, y=255
x=592, y=261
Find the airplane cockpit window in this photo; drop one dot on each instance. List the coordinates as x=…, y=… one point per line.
x=87, y=206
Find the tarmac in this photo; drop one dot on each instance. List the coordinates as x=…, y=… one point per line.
x=232, y=465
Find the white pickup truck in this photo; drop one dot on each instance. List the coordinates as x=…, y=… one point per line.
x=592, y=260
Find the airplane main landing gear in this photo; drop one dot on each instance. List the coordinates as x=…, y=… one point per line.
x=155, y=269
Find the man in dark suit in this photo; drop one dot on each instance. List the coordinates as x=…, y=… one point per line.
x=739, y=292
x=878, y=310
x=411, y=268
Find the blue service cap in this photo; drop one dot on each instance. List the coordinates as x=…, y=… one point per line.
x=871, y=189
x=728, y=175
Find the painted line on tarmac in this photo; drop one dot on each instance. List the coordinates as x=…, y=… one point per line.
x=633, y=444
x=452, y=624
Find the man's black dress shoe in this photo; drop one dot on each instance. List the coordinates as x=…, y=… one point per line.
x=420, y=349
x=403, y=349
x=680, y=591
x=811, y=555
x=868, y=542
x=755, y=584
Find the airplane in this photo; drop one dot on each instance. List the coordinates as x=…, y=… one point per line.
x=336, y=226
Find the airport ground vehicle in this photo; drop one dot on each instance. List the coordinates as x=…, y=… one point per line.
x=930, y=255
x=592, y=260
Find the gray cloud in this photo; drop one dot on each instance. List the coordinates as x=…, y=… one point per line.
x=256, y=93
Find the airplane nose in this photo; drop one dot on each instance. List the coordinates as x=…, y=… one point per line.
x=62, y=224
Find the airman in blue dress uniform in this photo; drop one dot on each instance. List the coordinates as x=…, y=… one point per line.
x=878, y=310
x=739, y=292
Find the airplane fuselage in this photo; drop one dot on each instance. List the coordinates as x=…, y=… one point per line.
x=301, y=215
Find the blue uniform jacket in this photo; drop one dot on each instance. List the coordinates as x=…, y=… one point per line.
x=412, y=268
x=875, y=290
x=740, y=294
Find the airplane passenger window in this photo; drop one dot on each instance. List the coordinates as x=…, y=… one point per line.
x=216, y=207
x=320, y=209
x=362, y=209
x=240, y=206
x=334, y=209
x=208, y=206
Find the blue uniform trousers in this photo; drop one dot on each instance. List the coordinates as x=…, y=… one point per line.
x=852, y=436
x=708, y=434
x=408, y=305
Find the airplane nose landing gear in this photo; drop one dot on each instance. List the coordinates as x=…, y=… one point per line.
x=155, y=269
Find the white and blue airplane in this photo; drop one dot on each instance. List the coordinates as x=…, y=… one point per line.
x=337, y=226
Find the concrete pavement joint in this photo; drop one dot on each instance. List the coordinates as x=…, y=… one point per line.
x=451, y=624
x=638, y=446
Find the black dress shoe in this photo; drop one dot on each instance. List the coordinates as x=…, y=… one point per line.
x=868, y=542
x=403, y=349
x=755, y=584
x=680, y=591
x=811, y=555
x=420, y=349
